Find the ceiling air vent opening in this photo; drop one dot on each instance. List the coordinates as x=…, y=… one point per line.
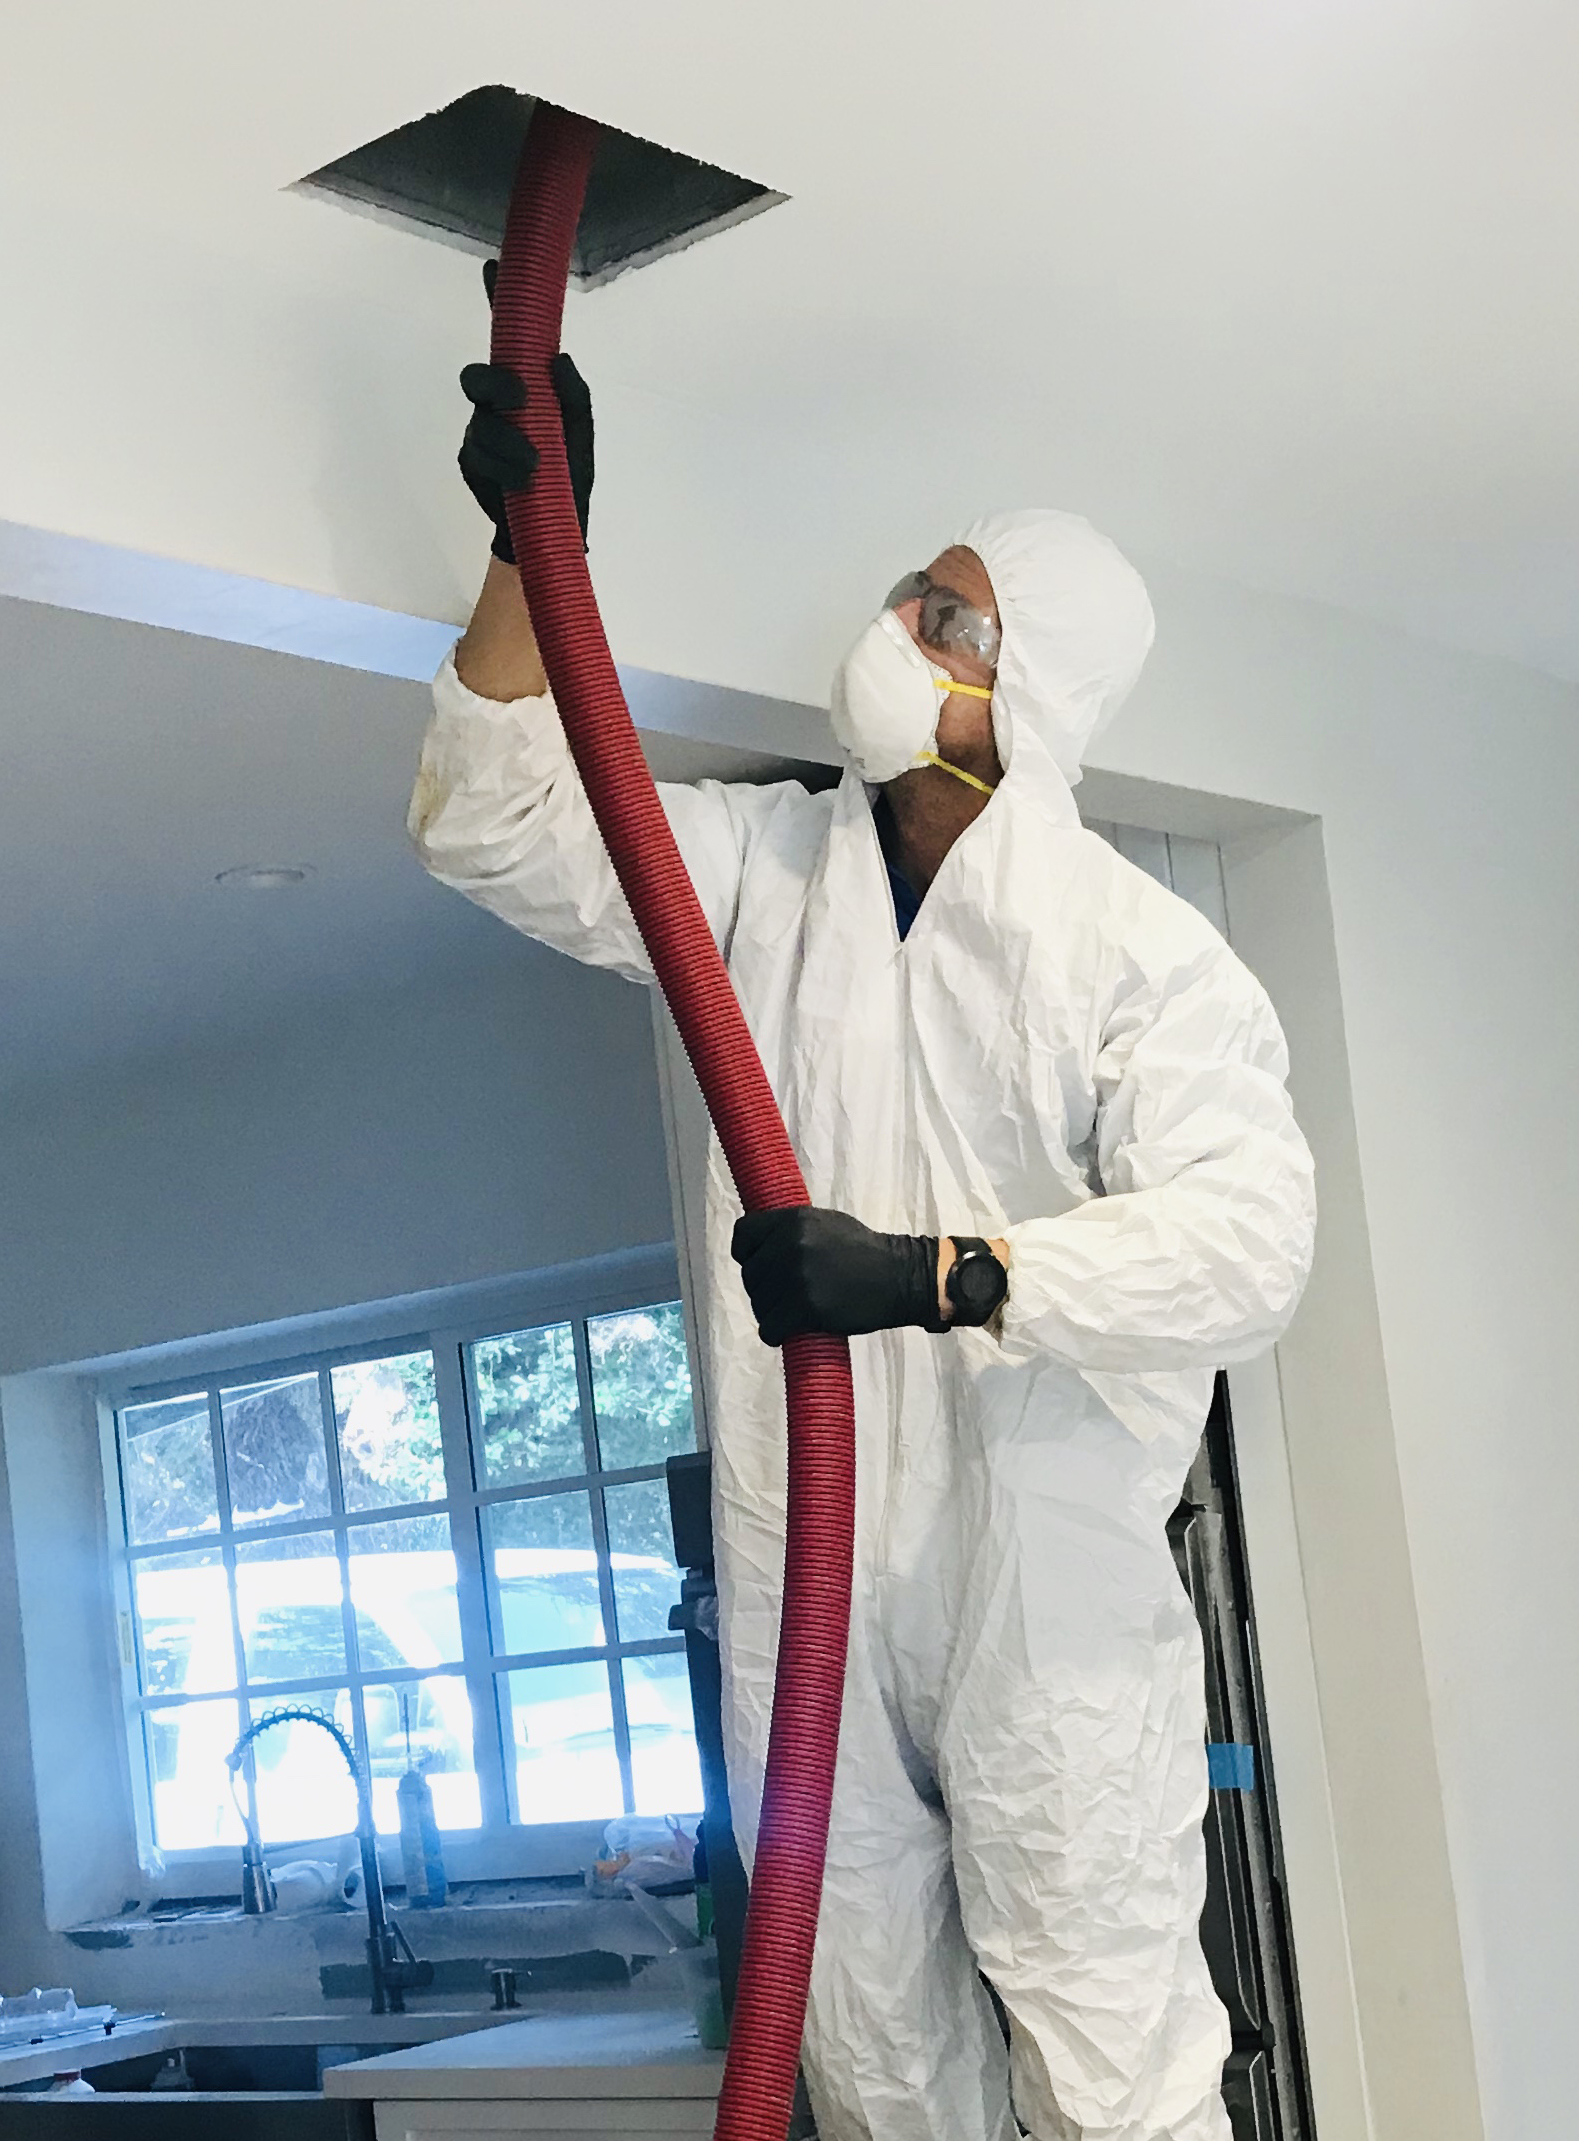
x=449, y=175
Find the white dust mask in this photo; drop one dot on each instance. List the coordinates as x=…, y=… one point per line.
x=886, y=699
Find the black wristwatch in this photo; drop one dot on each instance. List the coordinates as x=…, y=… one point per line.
x=977, y=1284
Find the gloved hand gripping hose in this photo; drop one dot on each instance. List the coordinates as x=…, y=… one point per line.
x=786, y=1878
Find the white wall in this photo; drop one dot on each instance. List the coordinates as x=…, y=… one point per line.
x=1333, y=1507
x=374, y=1146
x=1445, y=789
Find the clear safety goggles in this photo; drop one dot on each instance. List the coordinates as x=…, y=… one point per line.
x=948, y=624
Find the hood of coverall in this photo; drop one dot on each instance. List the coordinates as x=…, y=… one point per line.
x=1077, y=627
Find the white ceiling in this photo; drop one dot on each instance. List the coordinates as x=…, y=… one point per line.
x=1279, y=289
x=1282, y=290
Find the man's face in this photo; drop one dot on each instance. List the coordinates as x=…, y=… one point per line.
x=963, y=723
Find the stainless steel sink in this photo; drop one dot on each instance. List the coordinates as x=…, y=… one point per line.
x=233, y=2081
x=231, y=2069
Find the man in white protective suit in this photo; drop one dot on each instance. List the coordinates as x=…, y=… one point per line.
x=1055, y=1184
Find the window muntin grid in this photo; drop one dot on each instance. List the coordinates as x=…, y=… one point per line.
x=483, y=1649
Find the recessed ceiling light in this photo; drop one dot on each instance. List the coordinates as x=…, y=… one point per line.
x=265, y=877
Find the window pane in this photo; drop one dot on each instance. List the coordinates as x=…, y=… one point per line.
x=386, y=1414
x=439, y=1714
x=545, y=1573
x=167, y=1462
x=288, y=1593
x=274, y=1450
x=646, y=1580
x=563, y=1735
x=304, y=1787
x=664, y=1767
x=641, y=1385
x=529, y=1406
x=183, y=1616
x=187, y=1747
x=403, y=1589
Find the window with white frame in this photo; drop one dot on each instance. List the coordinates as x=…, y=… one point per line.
x=457, y=1547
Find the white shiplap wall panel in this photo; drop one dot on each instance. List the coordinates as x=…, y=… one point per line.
x=1191, y=868
x=1146, y=850
x=1197, y=867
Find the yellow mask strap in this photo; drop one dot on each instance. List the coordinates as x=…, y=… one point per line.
x=968, y=691
x=958, y=772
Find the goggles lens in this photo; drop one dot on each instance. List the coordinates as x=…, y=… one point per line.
x=948, y=624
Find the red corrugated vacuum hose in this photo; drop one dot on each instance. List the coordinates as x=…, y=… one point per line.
x=786, y=1877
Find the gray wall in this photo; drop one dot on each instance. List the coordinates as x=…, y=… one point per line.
x=368, y=1147
x=71, y=1854
x=383, y=1145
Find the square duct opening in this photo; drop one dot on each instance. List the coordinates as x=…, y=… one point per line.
x=448, y=176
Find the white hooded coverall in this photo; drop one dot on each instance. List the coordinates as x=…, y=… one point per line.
x=1062, y=1053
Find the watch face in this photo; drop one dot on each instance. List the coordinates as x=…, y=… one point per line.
x=976, y=1285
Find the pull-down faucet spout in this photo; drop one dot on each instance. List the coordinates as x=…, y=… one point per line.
x=390, y=1959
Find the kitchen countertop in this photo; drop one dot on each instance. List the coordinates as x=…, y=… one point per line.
x=655, y=2054
x=139, y=2035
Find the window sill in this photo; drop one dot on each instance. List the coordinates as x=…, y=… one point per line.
x=560, y=1941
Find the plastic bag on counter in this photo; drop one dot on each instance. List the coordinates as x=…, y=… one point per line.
x=305, y=1885
x=653, y=1852
x=34, y=2017
x=697, y=1957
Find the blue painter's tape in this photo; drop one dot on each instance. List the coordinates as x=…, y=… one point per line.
x=1231, y=1766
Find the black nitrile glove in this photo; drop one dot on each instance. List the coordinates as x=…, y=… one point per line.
x=496, y=459
x=807, y=1269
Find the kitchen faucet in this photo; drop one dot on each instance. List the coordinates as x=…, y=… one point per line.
x=390, y=1959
